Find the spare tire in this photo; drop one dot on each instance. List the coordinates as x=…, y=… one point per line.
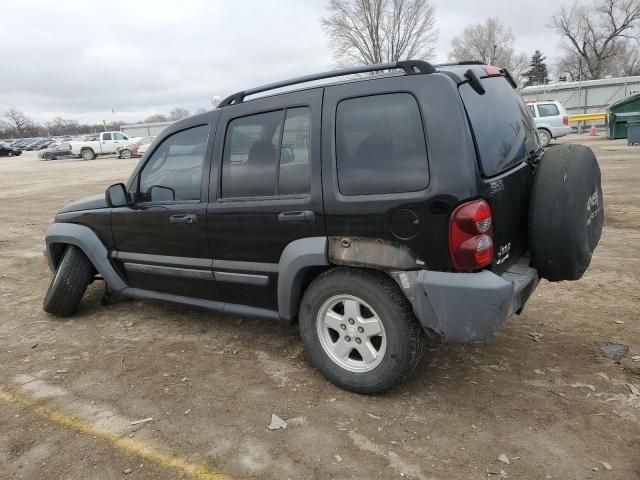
x=566, y=212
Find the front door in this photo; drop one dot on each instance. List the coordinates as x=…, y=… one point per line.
x=161, y=240
x=265, y=192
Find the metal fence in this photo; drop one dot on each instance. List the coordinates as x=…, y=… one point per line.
x=589, y=96
x=144, y=129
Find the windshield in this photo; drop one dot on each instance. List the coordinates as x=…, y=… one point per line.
x=502, y=125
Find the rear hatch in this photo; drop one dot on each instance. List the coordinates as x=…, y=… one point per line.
x=506, y=140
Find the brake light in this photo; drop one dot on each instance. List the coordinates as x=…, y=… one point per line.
x=491, y=71
x=565, y=120
x=471, y=235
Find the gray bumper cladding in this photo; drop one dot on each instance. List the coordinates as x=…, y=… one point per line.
x=467, y=307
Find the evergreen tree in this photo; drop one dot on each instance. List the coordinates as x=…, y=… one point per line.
x=537, y=73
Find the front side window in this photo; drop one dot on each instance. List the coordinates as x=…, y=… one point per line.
x=263, y=158
x=119, y=136
x=380, y=145
x=174, y=171
x=548, y=110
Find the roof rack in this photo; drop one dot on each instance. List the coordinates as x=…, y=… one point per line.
x=410, y=67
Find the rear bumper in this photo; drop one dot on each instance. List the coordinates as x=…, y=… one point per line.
x=468, y=307
x=560, y=131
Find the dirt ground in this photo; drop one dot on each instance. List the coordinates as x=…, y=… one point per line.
x=542, y=394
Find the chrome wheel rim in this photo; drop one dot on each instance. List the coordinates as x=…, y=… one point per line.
x=125, y=154
x=351, y=333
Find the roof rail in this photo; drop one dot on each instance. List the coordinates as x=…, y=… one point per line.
x=465, y=62
x=410, y=67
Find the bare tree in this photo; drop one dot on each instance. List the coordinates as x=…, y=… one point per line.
x=378, y=31
x=179, y=113
x=156, y=117
x=20, y=121
x=593, y=34
x=490, y=42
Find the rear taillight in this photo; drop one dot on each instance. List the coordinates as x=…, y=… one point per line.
x=471, y=236
x=565, y=120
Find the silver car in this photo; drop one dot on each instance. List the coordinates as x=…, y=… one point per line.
x=552, y=120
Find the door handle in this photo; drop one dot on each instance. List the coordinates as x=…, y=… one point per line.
x=305, y=216
x=186, y=218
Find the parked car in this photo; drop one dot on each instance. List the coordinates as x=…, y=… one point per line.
x=142, y=149
x=55, y=151
x=551, y=119
x=29, y=144
x=9, y=151
x=105, y=143
x=132, y=149
x=373, y=212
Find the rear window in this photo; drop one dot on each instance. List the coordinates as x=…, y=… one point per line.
x=502, y=125
x=548, y=110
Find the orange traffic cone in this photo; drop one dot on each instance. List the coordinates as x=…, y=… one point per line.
x=593, y=131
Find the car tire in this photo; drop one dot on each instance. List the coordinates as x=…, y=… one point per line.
x=47, y=156
x=545, y=137
x=10, y=154
x=70, y=281
x=385, y=329
x=88, y=154
x=124, y=153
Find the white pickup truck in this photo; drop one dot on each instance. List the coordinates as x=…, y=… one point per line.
x=99, y=144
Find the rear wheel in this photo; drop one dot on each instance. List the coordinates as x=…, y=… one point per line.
x=73, y=275
x=360, y=330
x=88, y=154
x=545, y=137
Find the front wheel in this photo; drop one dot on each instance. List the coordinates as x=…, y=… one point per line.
x=360, y=330
x=125, y=153
x=72, y=277
x=10, y=154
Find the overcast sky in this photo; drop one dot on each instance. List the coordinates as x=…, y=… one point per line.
x=81, y=59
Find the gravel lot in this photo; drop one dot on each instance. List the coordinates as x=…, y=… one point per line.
x=542, y=394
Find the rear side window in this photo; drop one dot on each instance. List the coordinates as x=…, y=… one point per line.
x=380, y=145
x=263, y=157
x=503, y=128
x=532, y=109
x=548, y=110
x=106, y=136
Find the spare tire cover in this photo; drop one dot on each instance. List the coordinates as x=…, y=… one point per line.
x=566, y=212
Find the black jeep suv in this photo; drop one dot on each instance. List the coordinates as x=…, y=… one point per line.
x=373, y=211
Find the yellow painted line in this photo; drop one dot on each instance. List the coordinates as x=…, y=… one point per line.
x=168, y=460
x=585, y=117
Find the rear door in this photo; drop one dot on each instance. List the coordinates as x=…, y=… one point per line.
x=107, y=144
x=265, y=191
x=506, y=139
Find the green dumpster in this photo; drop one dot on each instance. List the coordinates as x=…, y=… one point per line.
x=620, y=114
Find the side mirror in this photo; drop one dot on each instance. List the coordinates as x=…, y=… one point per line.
x=158, y=193
x=117, y=195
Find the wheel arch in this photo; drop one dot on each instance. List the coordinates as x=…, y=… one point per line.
x=61, y=234
x=301, y=261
